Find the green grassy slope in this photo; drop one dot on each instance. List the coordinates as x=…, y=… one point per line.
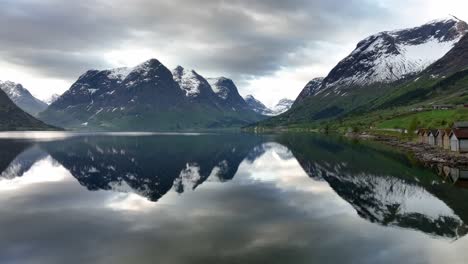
x=12, y=118
x=198, y=117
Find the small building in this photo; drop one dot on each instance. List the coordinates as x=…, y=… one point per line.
x=459, y=140
x=422, y=135
x=446, y=138
x=442, y=107
x=426, y=136
x=440, y=138
x=432, y=137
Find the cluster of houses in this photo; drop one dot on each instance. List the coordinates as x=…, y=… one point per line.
x=453, y=139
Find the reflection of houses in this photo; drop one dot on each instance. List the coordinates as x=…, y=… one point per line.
x=459, y=140
x=459, y=176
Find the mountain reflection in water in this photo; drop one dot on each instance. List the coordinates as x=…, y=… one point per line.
x=381, y=186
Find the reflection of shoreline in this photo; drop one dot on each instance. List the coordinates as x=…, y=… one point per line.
x=424, y=153
x=383, y=187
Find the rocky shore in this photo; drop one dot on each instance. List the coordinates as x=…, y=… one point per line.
x=427, y=154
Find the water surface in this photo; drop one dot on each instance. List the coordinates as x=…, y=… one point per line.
x=232, y=198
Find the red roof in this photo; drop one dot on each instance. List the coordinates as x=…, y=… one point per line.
x=460, y=133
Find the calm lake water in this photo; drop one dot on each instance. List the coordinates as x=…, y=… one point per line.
x=232, y=198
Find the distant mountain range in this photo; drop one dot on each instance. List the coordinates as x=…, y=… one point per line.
x=282, y=106
x=149, y=97
x=386, y=69
x=23, y=98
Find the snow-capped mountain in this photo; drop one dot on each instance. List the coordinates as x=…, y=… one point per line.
x=312, y=87
x=257, y=106
x=282, y=106
x=147, y=97
x=392, y=55
x=23, y=98
x=380, y=64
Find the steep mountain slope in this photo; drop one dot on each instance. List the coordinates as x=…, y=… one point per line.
x=311, y=88
x=13, y=118
x=257, y=106
x=455, y=60
x=146, y=97
x=195, y=87
x=227, y=91
x=23, y=98
x=379, y=63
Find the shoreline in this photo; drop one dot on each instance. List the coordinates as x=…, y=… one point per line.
x=425, y=153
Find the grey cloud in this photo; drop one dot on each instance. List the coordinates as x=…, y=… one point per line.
x=240, y=38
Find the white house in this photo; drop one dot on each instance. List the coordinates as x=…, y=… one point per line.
x=459, y=140
x=432, y=137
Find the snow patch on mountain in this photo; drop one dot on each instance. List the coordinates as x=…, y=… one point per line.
x=218, y=89
x=120, y=73
x=188, y=81
x=13, y=90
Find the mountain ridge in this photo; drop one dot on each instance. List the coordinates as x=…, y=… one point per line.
x=148, y=97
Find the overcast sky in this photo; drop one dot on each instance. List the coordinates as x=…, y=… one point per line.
x=270, y=48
